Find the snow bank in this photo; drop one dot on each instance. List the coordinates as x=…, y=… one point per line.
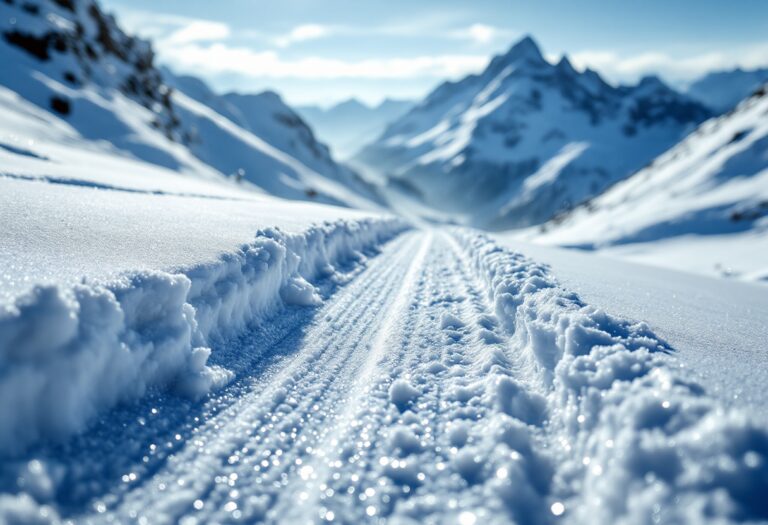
x=630, y=436
x=67, y=354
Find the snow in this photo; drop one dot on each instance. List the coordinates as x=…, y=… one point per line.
x=626, y=422
x=402, y=394
x=717, y=326
x=180, y=347
x=701, y=206
x=109, y=322
x=525, y=140
x=410, y=413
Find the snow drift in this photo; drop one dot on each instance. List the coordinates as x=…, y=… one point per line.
x=67, y=354
x=628, y=436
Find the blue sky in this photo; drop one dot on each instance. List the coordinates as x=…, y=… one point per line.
x=323, y=51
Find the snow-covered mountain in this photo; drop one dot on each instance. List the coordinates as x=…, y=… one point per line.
x=70, y=58
x=702, y=205
x=526, y=139
x=254, y=134
x=722, y=90
x=351, y=124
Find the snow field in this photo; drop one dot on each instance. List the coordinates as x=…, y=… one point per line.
x=69, y=353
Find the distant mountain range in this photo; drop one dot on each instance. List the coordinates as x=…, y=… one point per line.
x=526, y=139
x=703, y=202
x=71, y=58
x=522, y=142
x=351, y=124
x=722, y=90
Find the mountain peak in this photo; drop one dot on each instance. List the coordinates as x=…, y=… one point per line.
x=525, y=48
x=651, y=81
x=565, y=66
x=351, y=104
x=523, y=51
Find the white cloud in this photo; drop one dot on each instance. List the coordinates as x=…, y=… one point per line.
x=481, y=33
x=219, y=58
x=199, y=31
x=620, y=67
x=302, y=33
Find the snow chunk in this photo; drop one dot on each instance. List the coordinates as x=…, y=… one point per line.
x=402, y=394
x=458, y=434
x=402, y=439
x=448, y=320
x=469, y=464
x=299, y=292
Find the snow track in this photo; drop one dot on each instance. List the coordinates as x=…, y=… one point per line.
x=447, y=381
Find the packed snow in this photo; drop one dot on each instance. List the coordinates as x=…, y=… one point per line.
x=476, y=389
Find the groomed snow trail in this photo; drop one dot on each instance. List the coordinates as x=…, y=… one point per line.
x=448, y=381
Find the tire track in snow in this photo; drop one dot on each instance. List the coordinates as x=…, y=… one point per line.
x=405, y=459
x=259, y=438
x=303, y=503
x=450, y=382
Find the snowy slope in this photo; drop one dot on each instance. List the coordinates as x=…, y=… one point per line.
x=259, y=134
x=73, y=60
x=723, y=90
x=526, y=139
x=701, y=206
x=38, y=144
x=350, y=125
x=117, y=271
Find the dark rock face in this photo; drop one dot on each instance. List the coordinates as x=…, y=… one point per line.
x=91, y=39
x=60, y=105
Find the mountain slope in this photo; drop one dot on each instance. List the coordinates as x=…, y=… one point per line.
x=70, y=58
x=526, y=139
x=350, y=125
x=723, y=90
x=253, y=135
x=702, y=205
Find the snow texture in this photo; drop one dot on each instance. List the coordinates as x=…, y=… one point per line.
x=67, y=354
x=632, y=436
x=412, y=413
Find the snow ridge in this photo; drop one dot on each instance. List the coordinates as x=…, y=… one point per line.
x=67, y=354
x=633, y=437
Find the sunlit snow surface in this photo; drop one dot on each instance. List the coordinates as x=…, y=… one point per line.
x=445, y=380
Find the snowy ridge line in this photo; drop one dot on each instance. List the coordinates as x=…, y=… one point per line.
x=633, y=438
x=82, y=183
x=67, y=354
